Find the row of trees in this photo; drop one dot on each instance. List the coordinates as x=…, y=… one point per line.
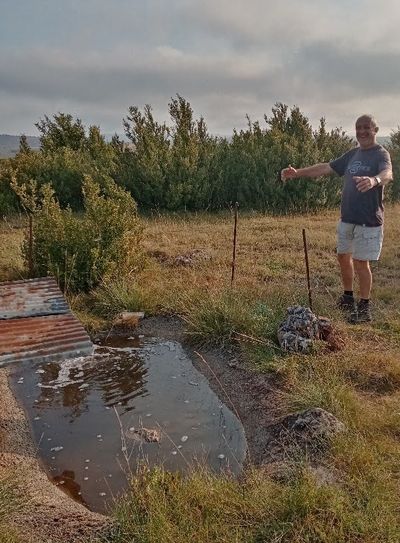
x=181, y=166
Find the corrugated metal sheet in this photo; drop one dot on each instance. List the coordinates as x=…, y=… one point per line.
x=43, y=338
x=52, y=333
x=31, y=298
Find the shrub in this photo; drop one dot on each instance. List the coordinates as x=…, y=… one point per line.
x=82, y=250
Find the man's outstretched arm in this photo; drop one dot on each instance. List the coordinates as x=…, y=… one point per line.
x=310, y=171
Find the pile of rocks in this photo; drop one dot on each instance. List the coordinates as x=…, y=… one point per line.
x=302, y=328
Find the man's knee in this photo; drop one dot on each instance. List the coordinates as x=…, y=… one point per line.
x=344, y=258
x=361, y=265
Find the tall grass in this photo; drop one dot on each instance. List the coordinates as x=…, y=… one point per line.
x=205, y=508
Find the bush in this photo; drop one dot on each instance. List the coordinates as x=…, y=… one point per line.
x=82, y=250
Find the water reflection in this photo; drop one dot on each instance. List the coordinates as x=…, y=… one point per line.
x=67, y=480
x=94, y=417
x=117, y=375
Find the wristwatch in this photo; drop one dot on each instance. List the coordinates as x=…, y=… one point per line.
x=378, y=181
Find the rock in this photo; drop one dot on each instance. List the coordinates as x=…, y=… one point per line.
x=129, y=318
x=191, y=258
x=308, y=431
x=328, y=333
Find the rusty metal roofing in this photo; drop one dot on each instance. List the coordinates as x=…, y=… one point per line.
x=37, y=325
x=36, y=339
x=31, y=298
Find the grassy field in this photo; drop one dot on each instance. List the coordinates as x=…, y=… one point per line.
x=360, y=384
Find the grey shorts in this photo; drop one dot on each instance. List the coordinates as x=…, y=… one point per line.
x=363, y=242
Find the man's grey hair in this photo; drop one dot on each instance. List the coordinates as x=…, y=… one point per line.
x=369, y=118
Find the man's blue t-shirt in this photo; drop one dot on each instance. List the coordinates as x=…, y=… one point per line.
x=364, y=208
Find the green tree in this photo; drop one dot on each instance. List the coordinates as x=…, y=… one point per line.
x=61, y=131
x=191, y=151
x=143, y=165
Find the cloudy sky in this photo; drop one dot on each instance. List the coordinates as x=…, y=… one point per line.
x=228, y=58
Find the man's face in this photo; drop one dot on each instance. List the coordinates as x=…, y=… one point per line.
x=366, y=132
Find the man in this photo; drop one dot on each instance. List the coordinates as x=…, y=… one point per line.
x=366, y=170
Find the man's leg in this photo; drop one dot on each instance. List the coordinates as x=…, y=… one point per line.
x=363, y=311
x=346, y=270
x=346, y=301
x=363, y=272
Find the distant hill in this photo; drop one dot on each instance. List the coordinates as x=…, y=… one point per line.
x=9, y=145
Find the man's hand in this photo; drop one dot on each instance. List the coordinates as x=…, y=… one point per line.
x=288, y=173
x=364, y=183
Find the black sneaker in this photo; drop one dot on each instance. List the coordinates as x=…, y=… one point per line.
x=346, y=303
x=362, y=313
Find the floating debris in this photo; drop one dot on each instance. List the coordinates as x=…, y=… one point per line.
x=184, y=439
x=57, y=449
x=149, y=435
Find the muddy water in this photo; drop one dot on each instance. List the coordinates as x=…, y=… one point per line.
x=93, y=417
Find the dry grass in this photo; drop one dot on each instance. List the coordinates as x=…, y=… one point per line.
x=11, y=238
